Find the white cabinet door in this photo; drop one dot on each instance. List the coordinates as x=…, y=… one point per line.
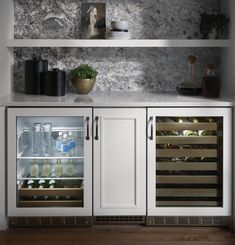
x=189, y=162
x=71, y=171
x=119, y=161
x=2, y=169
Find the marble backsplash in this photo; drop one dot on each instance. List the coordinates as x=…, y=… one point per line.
x=145, y=69
x=150, y=69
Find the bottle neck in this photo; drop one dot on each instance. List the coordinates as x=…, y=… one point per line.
x=211, y=72
x=191, y=71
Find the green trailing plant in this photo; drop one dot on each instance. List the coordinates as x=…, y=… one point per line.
x=83, y=72
x=208, y=22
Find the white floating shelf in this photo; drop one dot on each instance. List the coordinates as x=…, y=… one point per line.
x=117, y=43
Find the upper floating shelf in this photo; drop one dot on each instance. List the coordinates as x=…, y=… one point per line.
x=117, y=43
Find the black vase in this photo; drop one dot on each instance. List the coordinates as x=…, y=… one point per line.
x=34, y=81
x=55, y=82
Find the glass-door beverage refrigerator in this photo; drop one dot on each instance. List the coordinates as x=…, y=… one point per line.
x=49, y=162
x=189, y=162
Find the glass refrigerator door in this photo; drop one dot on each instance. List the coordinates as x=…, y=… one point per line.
x=189, y=162
x=53, y=160
x=50, y=161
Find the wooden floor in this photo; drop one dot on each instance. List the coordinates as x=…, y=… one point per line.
x=112, y=235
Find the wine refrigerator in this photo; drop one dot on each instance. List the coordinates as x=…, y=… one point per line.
x=49, y=162
x=189, y=162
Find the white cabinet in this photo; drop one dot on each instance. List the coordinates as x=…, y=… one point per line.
x=2, y=169
x=189, y=162
x=119, y=161
x=55, y=178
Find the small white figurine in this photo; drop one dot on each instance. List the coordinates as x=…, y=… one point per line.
x=92, y=12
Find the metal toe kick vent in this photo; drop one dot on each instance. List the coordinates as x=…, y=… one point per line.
x=119, y=220
x=187, y=221
x=49, y=221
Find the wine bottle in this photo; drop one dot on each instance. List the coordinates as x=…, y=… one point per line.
x=41, y=186
x=41, y=183
x=30, y=184
x=52, y=186
x=190, y=133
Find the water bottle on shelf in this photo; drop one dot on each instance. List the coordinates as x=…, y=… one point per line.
x=64, y=145
x=58, y=142
x=37, y=139
x=71, y=143
x=34, y=170
x=47, y=127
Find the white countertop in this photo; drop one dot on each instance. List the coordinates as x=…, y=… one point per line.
x=114, y=99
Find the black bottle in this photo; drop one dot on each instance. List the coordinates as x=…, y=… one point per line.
x=34, y=82
x=211, y=83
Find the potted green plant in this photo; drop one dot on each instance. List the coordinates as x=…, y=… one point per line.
x=213, y=25
x=83, y=78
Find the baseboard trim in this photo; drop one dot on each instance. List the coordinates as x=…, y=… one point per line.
x=3, y=222
x=118, y=220
x=187, y=221
x=49, y=221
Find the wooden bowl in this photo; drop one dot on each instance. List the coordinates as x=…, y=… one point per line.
x=83, y=86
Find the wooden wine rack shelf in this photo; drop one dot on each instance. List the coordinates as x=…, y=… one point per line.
x=51, y=191
x=49, y=203
x=187, y=166
x=192, y=140
x=187, y=204
x=165, y=126
x=190, y=179
x=174, y=192
x=186, y=152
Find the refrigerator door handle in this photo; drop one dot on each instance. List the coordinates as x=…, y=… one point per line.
x=96, y=128
x=151, y=128
x=88, y=131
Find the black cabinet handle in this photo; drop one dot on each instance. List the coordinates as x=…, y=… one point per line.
x=96, y=128
x=151, y=128
x=87, y=129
